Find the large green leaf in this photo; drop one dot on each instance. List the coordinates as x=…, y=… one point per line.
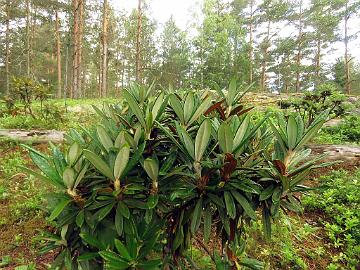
x=177, y=107
x=266, y=220
x=186, y=140
x=104, y=138
x=244, y=204
x=81, y=174
x=232, y=91
x=157, y=106
x=240, y=133
x=87, y=256
x=309, y=134
x=225, y=138
x=74, y=153
x=104, y=211
x=119, y=221
x=189, y=106
x=120, y=139
x=92, y=241
x=152, y=168
x=123, y=209
x=69, y=177
x=196, y=216
x=114, y=259
x=121, y=248
x=292, y=130
x=121, y=161
x=230, y=205
x=59, y=208
x=202, y=139
x=207, y=224
x=58, y=159
x=134, y=106
x=200, y=110
x=279, y=137
x=217, y=200
x=42, y=177
x=44, y=166
x=99, y=164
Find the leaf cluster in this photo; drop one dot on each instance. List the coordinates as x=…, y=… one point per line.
x=166, y=168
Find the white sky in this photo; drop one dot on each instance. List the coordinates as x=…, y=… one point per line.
x=161, y=10
x=186, y=11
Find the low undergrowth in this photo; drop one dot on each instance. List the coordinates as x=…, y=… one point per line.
x=338, y=199
x=21, y=214
x=347, y=132
x=64, y=121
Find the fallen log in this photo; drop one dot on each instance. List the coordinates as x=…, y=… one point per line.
x=347, y=153
x=36, y=136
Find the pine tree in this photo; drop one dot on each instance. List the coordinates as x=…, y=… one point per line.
x=175, y=52
x=271, y=15
x=323, y=19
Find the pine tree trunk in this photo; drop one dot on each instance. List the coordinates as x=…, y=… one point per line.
x=264, y=61
x=58, y=53
x=32, y=37
x=317, y=64
x=298, y=55
x=28, y=38
x=73, y=91
x=66, y=72
x=347, y=60
x=78, y=13
x=80, y=74
x=122, y=75
x=251, y=42
x=138, y=44
x=104, y=41
x=7, y=47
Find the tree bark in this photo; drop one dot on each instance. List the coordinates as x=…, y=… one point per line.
x=346, y=57
x=58, y=53
x=7, y=48
x=104, y=42
x=80, y=92
x=75, y=48
x=264, y=61
x=317, y=64
x=78, y=11
x=28, y=38
x=251, y=42
x=298, y=55
x=66, y=73
x=138, y=44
